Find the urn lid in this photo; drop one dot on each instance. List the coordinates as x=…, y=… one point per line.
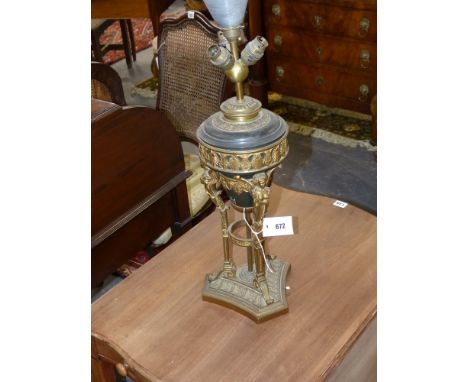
x=227, y=130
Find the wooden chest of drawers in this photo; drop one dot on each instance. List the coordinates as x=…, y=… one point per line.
x=324, y=51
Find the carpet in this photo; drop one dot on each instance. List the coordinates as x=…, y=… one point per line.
x=142, y=31
x=334, y=125
x=319, y=167
x=307, y=118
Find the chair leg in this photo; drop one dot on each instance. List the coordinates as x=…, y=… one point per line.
x=132, y=38
x=126, y=43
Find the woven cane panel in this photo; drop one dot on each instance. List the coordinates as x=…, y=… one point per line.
x=191, y=87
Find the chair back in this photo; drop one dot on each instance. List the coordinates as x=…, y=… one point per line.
x=106, y=84
x=191, y=88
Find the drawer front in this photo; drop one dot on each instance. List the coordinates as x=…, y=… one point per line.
x=322, y=84
x=115, y=363
x=321, y=18
x=355, y=4
x=310, y=47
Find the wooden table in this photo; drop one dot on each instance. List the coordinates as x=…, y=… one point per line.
x=125, y=9
x=155, y=326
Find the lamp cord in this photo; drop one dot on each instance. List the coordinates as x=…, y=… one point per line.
x=259, y=242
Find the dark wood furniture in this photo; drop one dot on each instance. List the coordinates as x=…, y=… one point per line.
x=373, y=108
x=190, y=87
x=125, y=9
x=138, y=183
x=98, y=27
x=153, y=9
x=106, y=84
x=324, y=51
x=258, y=82
x=154, y=326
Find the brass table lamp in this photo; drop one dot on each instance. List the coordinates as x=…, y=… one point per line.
x=240, y=147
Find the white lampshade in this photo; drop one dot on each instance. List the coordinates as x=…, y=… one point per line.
x=227, y=13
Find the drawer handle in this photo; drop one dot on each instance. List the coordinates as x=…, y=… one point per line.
x=319, y=80
x=364, y=58
x=279, y=73
x=276, y=10
x=363, y=93
x=278, y=41
x=364, y=27
x=121, y=369
x=319, y=50
x=318, y=22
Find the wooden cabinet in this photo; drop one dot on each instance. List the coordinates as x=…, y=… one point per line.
x=324, y=51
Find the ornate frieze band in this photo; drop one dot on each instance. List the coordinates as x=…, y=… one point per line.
x=244, y=161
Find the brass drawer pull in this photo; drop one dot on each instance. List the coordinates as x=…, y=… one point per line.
x=319, y=80
x=318, y=22
x=279, y=73
x=276, y=10
x=319, y=50
x=278, y=41
x=364, y=27
x=364, y=58
x=363, y=93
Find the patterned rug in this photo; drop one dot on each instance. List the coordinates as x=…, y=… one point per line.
x=142, y=31
x=333, y=125
x=307, y=118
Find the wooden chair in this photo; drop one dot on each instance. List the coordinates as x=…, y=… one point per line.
x=138, y=183
x=190, y=87
x=98, y=27
x=106, y=84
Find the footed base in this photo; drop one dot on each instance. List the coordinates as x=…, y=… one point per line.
x=240, y=293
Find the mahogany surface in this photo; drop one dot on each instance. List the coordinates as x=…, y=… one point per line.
x=156, y=324
x=138, y=183
x=125, y=9
x=317, y=47
x=110, y=79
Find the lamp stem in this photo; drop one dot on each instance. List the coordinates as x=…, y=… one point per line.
x=239, y=85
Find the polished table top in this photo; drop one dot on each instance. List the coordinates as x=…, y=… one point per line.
x=156, y=318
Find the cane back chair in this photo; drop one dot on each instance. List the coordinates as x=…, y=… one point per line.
x=191, y=88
